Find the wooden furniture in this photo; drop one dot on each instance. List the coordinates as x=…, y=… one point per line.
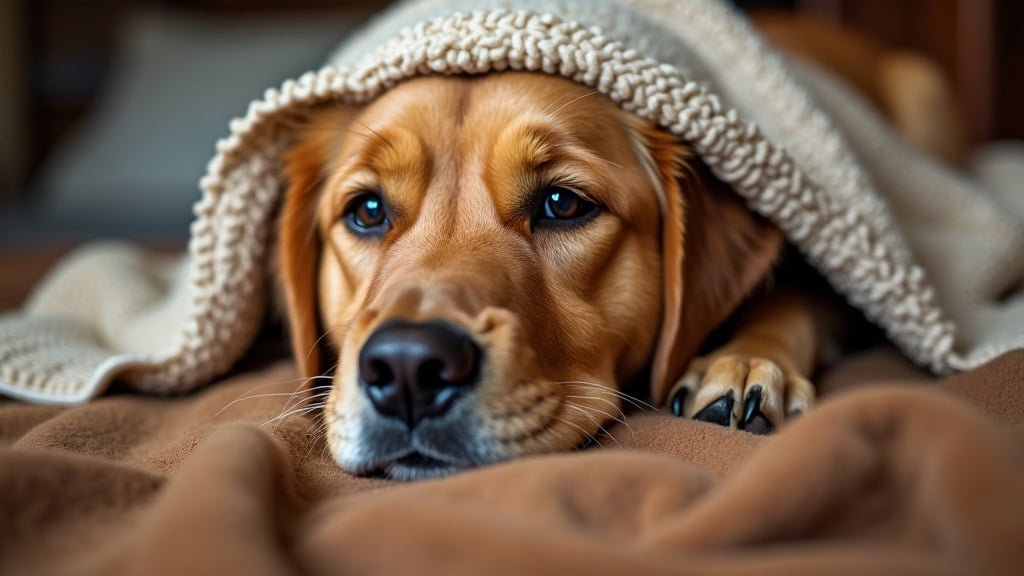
x=977, y=42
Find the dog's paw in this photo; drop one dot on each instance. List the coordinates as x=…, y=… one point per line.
x=745, y=392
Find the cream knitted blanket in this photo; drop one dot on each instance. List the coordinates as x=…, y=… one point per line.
x=932, y=258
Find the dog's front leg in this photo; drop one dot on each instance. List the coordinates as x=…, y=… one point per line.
x=760, y=377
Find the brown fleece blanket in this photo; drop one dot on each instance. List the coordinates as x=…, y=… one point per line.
x=890, y=474
x=899, y=477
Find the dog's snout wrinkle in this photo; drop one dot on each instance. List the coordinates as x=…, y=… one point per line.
x=451, y=294
x=412, y=371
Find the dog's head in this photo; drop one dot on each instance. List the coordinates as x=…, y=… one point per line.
x=481, y=262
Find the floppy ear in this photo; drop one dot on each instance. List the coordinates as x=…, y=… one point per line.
x=299, y=242
x=714, y=252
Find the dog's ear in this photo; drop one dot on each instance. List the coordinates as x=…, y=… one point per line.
x=714, y=250
x=299, y=242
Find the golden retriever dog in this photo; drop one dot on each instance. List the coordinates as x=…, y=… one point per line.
x=483, y=264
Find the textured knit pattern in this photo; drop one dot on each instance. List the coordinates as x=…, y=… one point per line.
x=872, y=215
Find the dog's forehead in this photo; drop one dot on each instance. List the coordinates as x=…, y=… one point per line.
x=478, y=108
x=477, y=141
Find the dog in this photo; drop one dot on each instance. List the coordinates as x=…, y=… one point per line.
x=484, y=265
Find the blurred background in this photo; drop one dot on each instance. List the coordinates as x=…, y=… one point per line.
x=109, y=109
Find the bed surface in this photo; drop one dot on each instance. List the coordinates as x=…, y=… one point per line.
x=891, y=474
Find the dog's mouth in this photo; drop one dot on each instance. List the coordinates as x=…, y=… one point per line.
x=420, y=460
x=417, y=466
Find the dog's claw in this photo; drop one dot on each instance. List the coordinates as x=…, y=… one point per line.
x=678, y=400
x=754, y=421
x=718, y=412
x=752, y=403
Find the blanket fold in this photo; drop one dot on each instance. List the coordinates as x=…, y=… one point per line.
x=894, y=478
x=924, y=253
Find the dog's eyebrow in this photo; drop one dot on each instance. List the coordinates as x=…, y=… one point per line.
x=533, y=153
x=397, y=156
x=392, y=160
x=532, y=146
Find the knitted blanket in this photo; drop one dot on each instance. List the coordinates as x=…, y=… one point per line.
x=933, y=259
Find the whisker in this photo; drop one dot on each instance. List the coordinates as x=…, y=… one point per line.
x=609, y=162
x=303, y=381
x=324, y=452
x=293, y=412
x=322, y=398
x=586, y=436
x=310, y=129
x=594, y=420
x=318, y=435
x=354, y=118
x=267, y=395
x=569, y=103
x=288, y=404
x=318, y=340
x=272, y=394
x=638, y=403
x=340, y=326
x=621, y=420
x=302, y=398
x=613, y=405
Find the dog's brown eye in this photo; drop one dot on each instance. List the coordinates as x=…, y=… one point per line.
x=562, y=205
x=366, y=214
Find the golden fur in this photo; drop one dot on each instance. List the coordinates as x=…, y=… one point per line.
x=565, y=316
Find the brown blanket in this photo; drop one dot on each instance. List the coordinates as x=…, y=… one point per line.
x=891, y=479
x=902, y=477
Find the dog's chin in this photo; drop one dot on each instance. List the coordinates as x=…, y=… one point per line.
x=386, y=447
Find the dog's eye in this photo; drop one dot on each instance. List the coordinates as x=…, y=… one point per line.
x=563, y=205
x=366, y=214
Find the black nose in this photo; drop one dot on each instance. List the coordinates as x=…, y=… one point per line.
x=416, y=370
